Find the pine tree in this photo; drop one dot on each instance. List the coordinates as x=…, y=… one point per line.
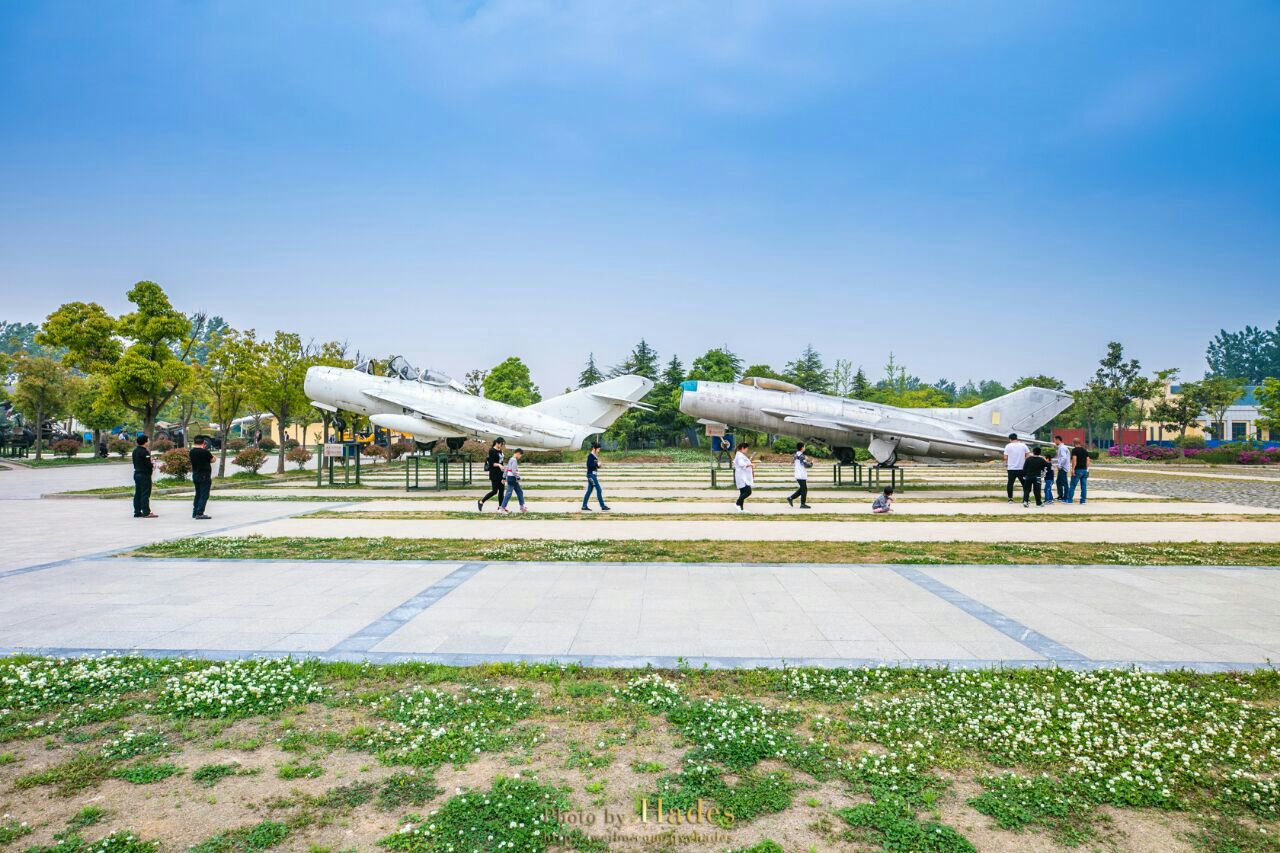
x=859, y=387
x=642, y=361
x=809, y=372
x=674, y=374
x=590, y=374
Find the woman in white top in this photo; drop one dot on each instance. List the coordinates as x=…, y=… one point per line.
x=744, y=473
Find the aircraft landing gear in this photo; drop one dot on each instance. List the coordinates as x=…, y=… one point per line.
x=891, y=462
x=844, y=455
x=454, y=444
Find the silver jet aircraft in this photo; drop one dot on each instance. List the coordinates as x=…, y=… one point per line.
x=928, y=435
x=429, y=405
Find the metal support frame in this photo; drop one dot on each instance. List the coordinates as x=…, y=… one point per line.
x=444, y=480
x=838, y=475
x=897, y=477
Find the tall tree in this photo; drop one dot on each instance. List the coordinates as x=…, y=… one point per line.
x=94, y=406
x=641, y=361
x=1219, y=393
x=1050, y=383
x=716, y=365
x=1179, y=411
x=473, y=381
x=204, y=329
x=276, y=385
x=842, y=377
x=156, y=362
x=229, y=367
x=42, y=393
x=809, y=372
x=590, y=374
x=859, y=387
x=764, y=371
x=510, y=383
x=989, y=389
x=1251, y=354
x=1268, y=394
x=86, y=336
x=1116, y=384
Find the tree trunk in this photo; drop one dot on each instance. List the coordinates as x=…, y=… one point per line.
x=280, y=428
x=1182, y=442
x=39, y=433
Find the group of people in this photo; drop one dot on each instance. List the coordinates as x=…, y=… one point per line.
x=201, y=477
x=504, y=478
x=1064, y=469
x=744, y=477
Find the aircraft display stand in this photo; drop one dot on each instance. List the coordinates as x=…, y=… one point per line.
x=450, y=472
x=875, y=478
x=840, y=479
x=338, y=452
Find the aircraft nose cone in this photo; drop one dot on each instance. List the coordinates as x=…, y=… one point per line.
x=689, y=385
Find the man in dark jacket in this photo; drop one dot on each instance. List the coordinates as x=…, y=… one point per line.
x=142, y=466
x=201, y=475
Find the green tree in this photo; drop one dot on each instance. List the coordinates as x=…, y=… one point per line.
x=86, y=336
x=764, y=371
x=716, y=365
x=859, y=387
x=642, y=361
x=20, y=339
x=1268, y=394
x=473, y=381
x=1251, y=354
x=809, y=372
x=276, y=384
x=42, y=393
x=842, y=377
x=1179, y=411
x=94, y=405
x=510, y=383
x=590, y=374
x=989, y=389
x=229, y=370
x=1050, y=383
x=1219, y=393
x=1116, y=384
x=156, y=363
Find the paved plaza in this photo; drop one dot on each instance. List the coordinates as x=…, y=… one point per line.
x=64, y=588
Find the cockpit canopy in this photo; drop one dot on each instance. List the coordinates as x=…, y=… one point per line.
x=400, y=368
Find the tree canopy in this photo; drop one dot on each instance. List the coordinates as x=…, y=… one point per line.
x=510, y=383
x=1251, y=354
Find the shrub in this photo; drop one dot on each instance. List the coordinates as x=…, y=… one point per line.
x=1189, y=441
x=290, y=443
x=784, y=445
x=235, y=445
x=372, y=450
x=1146, y=451
x=396, y=449
x=251, y=459
x=67, y=447
x=161, y=445
x=120, y=446
x=298, y=454
x=175, y=463
x=267, y=444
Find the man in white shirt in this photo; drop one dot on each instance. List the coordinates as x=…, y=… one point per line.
x=1062, y=459
x=1015, y=457
x=802, y=466
x=744, y=474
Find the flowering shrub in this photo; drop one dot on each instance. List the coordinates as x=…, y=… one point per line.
x=176, y=463
x=131, y=744
x=652, y=691
x=235, y=445
x=251, y=459
x=239, y=688
x=1146, y=451
x=267, y=444
x=67, y=447
x=298, y=455
x=120, y=446
x=161, y=445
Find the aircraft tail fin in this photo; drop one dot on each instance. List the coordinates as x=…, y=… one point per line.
x=597, y=406
x=1022, y=411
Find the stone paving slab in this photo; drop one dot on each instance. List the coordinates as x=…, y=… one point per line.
x=904, y=506
x=765, y=529
x=827, y=493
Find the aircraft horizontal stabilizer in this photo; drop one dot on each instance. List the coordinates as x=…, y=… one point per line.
x=623, y=401
x=323, y=406
x=449, y=419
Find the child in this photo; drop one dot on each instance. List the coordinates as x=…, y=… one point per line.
x=883, y=502
x=1048, y=479
x=513, y=482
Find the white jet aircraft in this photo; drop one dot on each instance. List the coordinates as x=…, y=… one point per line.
x=890, y=433
x=429, y=405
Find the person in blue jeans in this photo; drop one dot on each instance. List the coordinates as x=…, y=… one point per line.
x=1062, y=461
x=1048, y=479
x=513, y=482
x=1079, y=473
x=593, y=478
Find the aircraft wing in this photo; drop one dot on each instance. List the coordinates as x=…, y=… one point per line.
x=622, y=401
x=447, y=418
x=871, y=429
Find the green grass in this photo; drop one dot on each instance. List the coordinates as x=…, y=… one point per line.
x=146, y=774
x=1036, y=516
x=62, y=461
x=208, y=775
x=245, y=839
x=716, y=551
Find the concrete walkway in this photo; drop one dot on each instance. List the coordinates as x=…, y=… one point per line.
x=637, y=614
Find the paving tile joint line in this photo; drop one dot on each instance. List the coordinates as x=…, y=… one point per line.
x=400, y=615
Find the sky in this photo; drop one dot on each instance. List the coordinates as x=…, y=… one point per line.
x=986, y=189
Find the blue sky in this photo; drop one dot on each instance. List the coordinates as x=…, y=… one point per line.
x=987, y=189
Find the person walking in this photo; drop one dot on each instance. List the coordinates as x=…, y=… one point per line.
x=1015, y=457
x=744, y=474
x=1079, y=472
x=1062, y=461
x=201, y=475
x=494, y=468
x=802, y=466
x=593, y=479
x=513, y=482
x=142, y=468
x=1033, y=470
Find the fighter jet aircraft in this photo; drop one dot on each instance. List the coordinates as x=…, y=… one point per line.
x=429, y=405
x=928, y=435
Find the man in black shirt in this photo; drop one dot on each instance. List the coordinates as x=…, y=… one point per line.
x=142, y=466
x=201, y=475
x=1079, y=472
x=1032, y=474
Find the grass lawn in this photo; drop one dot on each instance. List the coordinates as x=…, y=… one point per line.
x=782, y=514
x=62, y=461
x=709, y=551
x=133, y=755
